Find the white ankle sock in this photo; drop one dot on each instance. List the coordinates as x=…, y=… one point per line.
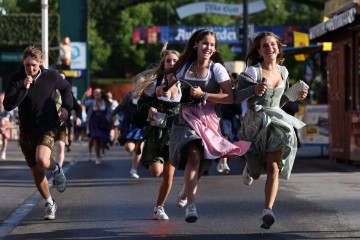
x=50, y=200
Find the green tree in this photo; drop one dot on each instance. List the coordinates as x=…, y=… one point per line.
x=111, y=23
x=100, y=51
x=117, y=27
x=28, y=6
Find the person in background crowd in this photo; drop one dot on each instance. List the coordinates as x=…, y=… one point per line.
x=62, y=135
x=31, y=90
x=130, y=134
x=266, y=125
x=112, y=101
x=65, y=53
x=114, y=132
x=81, y=129
x=155, y=99
x=5, y=119
x=99, y=121
x=230, y=123
x=195, y=137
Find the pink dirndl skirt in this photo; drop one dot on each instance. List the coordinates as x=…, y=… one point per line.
x=206, y=124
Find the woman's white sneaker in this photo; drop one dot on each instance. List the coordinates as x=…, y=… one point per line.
x=159, y=213
x=223, y=168
x=247, y=179
x=182, y=199
x=133, y=174
x=191, y=213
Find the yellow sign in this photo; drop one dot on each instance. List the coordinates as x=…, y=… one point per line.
x=327, y=46
x=316, y=131
x=69, y=73
x=300, y=39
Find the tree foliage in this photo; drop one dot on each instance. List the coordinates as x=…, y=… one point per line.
x=115, y=20
x=111, y=23
x=28, y=6
x=98, y=55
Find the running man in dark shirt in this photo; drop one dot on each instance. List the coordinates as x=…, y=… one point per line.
x=32, y=90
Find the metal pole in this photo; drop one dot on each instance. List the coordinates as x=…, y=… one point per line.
x=245, y=27
x=45, y=32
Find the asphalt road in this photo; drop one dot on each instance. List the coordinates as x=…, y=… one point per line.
x=320, y=201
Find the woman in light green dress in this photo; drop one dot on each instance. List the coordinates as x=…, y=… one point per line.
x=263, y=85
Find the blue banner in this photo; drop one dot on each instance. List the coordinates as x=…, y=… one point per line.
x=226, y=35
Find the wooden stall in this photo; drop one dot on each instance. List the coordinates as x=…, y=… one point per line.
x=343, y=71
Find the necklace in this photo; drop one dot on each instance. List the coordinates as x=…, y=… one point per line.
x=198, y=70
x=269, y=68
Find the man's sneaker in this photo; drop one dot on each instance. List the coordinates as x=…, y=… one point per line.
x=133, y=173
x=59, y=179
x=223, y=168
x=50, y=211
x=247, y=179
x=182, y=199
x=159, y=213
x=191, y=213
x=267, y=219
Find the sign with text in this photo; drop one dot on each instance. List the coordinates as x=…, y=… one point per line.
x=316, y=131
x=218, y=8
x=226, y=34
x=180, y=35
x=11, y=57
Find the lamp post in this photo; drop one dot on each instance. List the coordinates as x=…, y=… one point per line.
x=45, y=32
x=245, y=27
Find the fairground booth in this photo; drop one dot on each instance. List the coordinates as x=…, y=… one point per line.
x=342, y=28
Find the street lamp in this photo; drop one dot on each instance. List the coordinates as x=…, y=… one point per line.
x=245, y=27
x=45, y=32
x=2, y=9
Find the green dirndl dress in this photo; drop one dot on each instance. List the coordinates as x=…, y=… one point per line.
x=270, y=128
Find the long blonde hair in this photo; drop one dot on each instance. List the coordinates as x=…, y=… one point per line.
x=145, y=78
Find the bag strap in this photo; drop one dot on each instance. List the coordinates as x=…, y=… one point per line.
x=187, y=66
x=258, y=72
x=159, y=79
